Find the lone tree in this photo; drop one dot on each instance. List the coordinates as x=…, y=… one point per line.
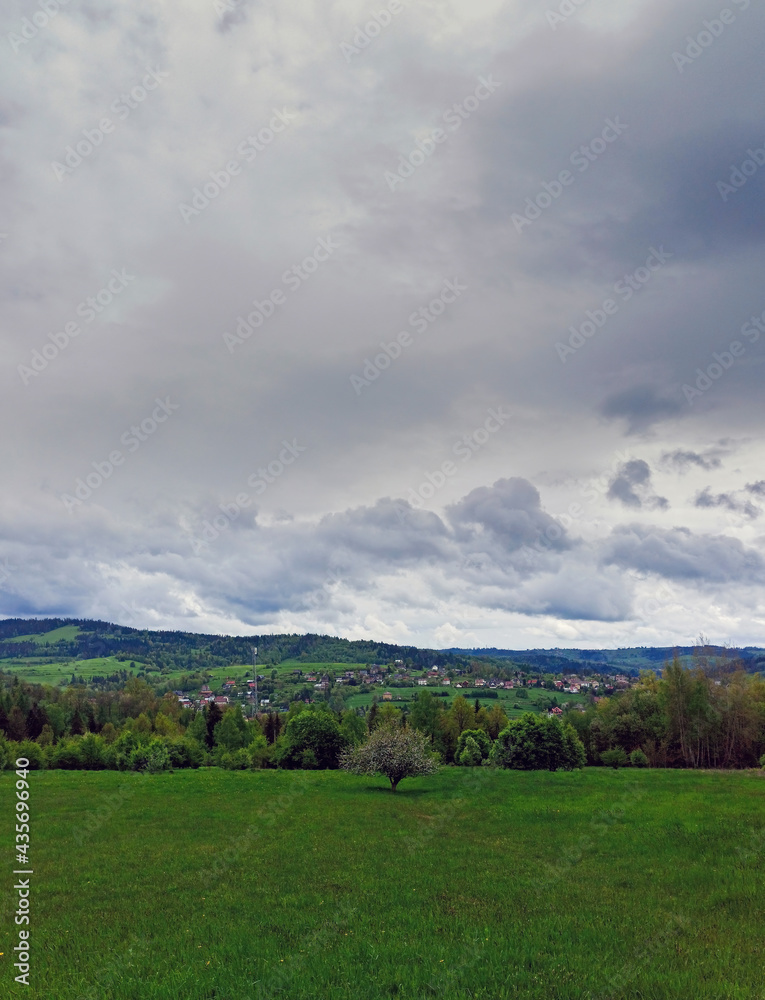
x=393, y=752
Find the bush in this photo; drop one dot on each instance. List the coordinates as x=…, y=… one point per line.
x=638, y=758
x=614, y=758
x=762, y=760
x=261, y=754
x=534, y=743
x=185, y=752
x=480, y=740
x=92, y=749
x=32, y=751
x=471, y=755
x=157, y=757
x=317, y=732
x=65, y=755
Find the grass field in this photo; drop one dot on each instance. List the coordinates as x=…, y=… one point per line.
x=217, y=885
x=67, y=632
x=39, y=672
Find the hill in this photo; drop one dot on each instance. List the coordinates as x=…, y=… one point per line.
x=65, y=639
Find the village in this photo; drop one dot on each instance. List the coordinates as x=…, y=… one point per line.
x=393, y=682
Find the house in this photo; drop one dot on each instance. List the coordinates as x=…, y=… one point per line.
x=205, y=690
x=446, y=681
x=229, y=684
x=387, y=696
x=479, y=682
x=422, y=681
x=556, y=711
x=509, y=685
x=221, y=699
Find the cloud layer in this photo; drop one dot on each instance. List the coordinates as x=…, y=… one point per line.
x=456, y=316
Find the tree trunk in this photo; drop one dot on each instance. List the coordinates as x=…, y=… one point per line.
x=393, y=784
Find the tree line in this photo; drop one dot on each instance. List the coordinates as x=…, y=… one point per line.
x=711, y=715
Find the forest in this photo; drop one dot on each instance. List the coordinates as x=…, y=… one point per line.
x=709, y=715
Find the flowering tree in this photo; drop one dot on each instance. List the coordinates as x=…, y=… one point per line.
x=394, y=752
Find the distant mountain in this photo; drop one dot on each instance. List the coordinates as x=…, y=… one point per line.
x=74, y=638
x=629, y=660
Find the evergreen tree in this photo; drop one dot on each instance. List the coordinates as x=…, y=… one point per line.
x=213, y=715
x=76, y=728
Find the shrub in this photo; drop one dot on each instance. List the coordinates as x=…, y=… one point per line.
x=91, y=750
x=534, y=743
x=157, y=757
x=479, y=738
x=471, y=755
x=614, y=758
x=317, y=732
x=638, y=758
x=65, y=755
x=261, y=754
x=32, y=751
x=185, y=752
x=762, y=760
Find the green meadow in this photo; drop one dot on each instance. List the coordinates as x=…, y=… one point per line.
x=42, y=671
x=65, y=632
x=475, y=883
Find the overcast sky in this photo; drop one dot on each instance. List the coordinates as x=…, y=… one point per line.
x=429, y=322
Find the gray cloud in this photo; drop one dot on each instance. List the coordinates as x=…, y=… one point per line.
x=679, y=554
x=682, y=459
x=729, y=501
x=632, y=486
x=322, y=547
x=641, y=407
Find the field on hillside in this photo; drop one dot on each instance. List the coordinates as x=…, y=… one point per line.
x=67, y=632
x=404, y=696
x=38, y=671
x=473, y=883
